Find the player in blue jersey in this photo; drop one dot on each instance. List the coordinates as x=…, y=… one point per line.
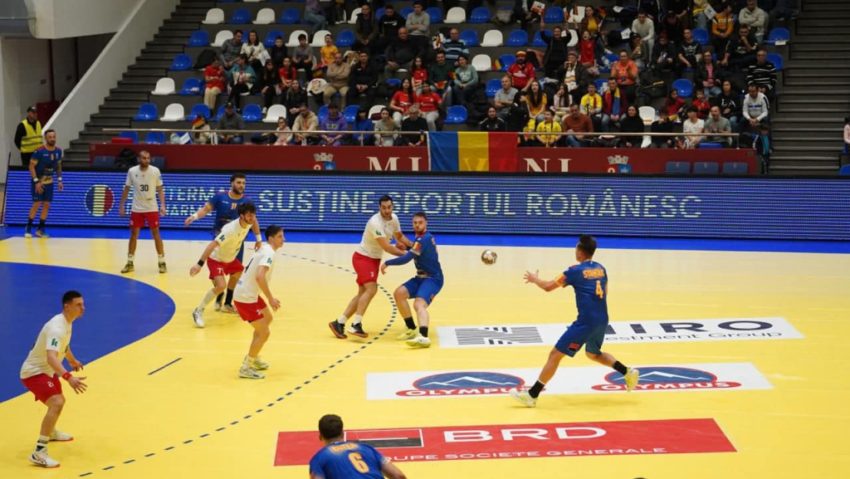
x=341, y=459
x=590, y=282
x=226, y=204
x=44, y=162
x=423, y=287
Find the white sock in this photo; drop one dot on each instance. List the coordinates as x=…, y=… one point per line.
x=161, y=258
x=130, y=258
x=248, y=361
x=357, y=319
x=342, y=319
x=207, y=299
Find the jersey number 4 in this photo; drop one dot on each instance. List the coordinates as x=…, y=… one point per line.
x=599, y=291
x=358, y=462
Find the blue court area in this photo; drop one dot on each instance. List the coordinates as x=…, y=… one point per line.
x=119, y=311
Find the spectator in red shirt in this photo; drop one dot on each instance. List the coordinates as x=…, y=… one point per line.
x=418, y=74
x=521, y=72
x=625, y=72
x=288, y=75
x=214, y=76
x=701, y=104
x=673, y=105
x=401, y=101
x=429, y=105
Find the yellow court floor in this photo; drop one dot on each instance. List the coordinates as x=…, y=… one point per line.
x=764, y=371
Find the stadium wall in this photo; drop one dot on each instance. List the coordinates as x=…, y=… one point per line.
x=621, y=205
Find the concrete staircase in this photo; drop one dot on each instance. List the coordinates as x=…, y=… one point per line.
x=815, y=97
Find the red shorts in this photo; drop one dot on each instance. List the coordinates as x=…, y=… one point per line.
x=138, y=220
x=366, y=268
x=250, y=311
x=43, y=386
x=218, y=268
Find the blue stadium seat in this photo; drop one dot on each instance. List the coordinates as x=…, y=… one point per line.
x=147, y=112
x=199, y=38
x=130, y=135
x=271, y=36
x=480, y=15
x=379, y=13
x=600, y=84
x=241, y=16
x=517, y=38
x=777, y=61
x=345, y=39
x=493, y=85
x=701, y=36
x=181, y=62
x=350, y=114
x=778, y=34
x=155, y=138
x=470, y=38
x=252, y=113
x=677, y=168
x=456, y=115
x=219, y=113
x=506, y=61
x=553, y=15
x=436, y=14
x=322, y=113
x=192, y=87
x=290, y=16
x=710, y=145
x=404, y=12
x=706, y=168
x=394, y=82
x=844, y=170
x=734, y=168
x=103, y=162
x=684, y=87
x=201, y=110
x=538, y=40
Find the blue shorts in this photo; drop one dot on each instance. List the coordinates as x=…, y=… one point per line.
x=582, y=334
x=425, y=288
x=46, y=195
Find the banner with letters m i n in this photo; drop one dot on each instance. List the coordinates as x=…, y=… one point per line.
x=473, y=151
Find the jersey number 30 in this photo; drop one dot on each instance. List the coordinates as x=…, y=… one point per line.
x=599, y=291
x=358, y=462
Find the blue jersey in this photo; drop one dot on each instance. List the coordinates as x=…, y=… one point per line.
x=425, y=257
x=47, y=162
x=225, y=209
x=347, y=460
x=590, y=282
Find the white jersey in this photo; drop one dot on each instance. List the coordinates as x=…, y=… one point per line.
x=144, y=185
x=247, y=289
x=378, y=227
x=230, y=241
x=55, y=335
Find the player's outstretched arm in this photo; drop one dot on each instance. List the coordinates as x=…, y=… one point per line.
x=205, y=210
x=386, y=246
x=401, y=239
x=391, y=471
x=196, y=268
x=545, y=285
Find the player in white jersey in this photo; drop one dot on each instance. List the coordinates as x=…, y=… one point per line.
x=42, y=369
x=382, y=226
x=146, y=182
x=250, y=305
x=221, y=256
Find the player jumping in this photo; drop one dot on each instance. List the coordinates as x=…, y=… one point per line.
x=366, y=261
x=43, y=162
x=42, y=369
x=222, y=253
x=146, y=182
x=250, y=305
x=423, y=287
x=341, y=459
x=590, y=281
x=225, y=204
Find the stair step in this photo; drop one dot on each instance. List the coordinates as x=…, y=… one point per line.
x=163, y=49
x=805, y=63
x=126, y=113
x=159, y=56
x=826, y=21
x=138, y=82
x=823, y=31
x=181, y=42
x=122, y=95
x=151, y=75
x=795, y=137
x=825, y=7
x=810, y=38
x=809, y=80
x=800, y=99
x=108, y=123
x=151, y=64
x=823, y=149
x=836, y=92
x=813, y=109
x=111, y=104
x=819, y=56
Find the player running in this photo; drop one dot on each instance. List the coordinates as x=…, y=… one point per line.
x=423, y=287
x=43, y=163
x=366, y=261
x=146, y=182
x=341, y=459
x=223, y=253
x=225, y=205
x=590, y=281
x=42, y=369
x=250, y=305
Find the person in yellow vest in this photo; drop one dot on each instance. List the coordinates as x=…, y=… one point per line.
x=28, y=136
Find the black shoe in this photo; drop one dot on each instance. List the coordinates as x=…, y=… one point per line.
x=357, y=330
x=337, y=329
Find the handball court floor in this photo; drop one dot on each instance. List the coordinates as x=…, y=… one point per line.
x=759, y=388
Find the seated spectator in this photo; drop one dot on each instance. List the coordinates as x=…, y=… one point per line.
x=672, y=26
x=673, y=106
x=548, y=125
x=576, y=123
x=418, y=74
x=754, y=108
x=574, y=76
x=645, y=28
x=717, y=124
x=701, y=104
x=335, y=121
x=287, y=74
x=465, y=82
x=337, y=75
x=561, y=102
x=255, y=51
x=363, y=123
x=614, y=104
x=429, y=105
x=283, y=135
x=689, y=50
x=295, y=96
x=729, y=102
x=590, y=23
x=388, y=126
x=504, y=99
x=587, y=53
x=388, y=26
x=625, y=72
x=639, y=51
x=492, y=122
x=454, y=47
x=365, y=30
x=362, y=81
x=691, y=125
x=418, y=24
x=402, y=100
x=440, y=76
x=709, y=76
x=401, y=52
x=302, y=56
x=327, y=52
x=535, y=100
x=242, y=81
x=231, y=49
x=314, y=16
x=268, y=83
x=556, y=50
x=755, y=18
x=214, y=83
x=722, y=28
x=230, y=121
x=698, y=11
x=591, y=105
x=663, y=59
x=201, y=131
x=631, y=123
x=414, y=123
x=278, y=52
x=741, y=50
x=306, y=121
x=662, y=124
x=529, y=138
x=521, y=72
x=763, y=74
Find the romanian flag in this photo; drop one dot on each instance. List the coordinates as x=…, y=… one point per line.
x=473, y=151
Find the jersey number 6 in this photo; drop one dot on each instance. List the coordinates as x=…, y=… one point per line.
x=358, y=462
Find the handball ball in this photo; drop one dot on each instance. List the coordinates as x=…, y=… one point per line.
x=488, y=256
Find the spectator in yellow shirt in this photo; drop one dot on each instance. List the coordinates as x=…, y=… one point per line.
x=548, y=125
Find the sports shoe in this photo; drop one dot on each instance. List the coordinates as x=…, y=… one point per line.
x=259, y=364
x=162, y=268
x=60, y=436
x=198, y=317
x=128, y=268
x=27, y=233
x=357, y=330
x=337, y=329
x=407, y=334
x=523, y=398
x=40, y=458
x=228, y=309
x=250, y=373
x=41, y=233
x=218, y=305
x=420, y=342
x=632, y=377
